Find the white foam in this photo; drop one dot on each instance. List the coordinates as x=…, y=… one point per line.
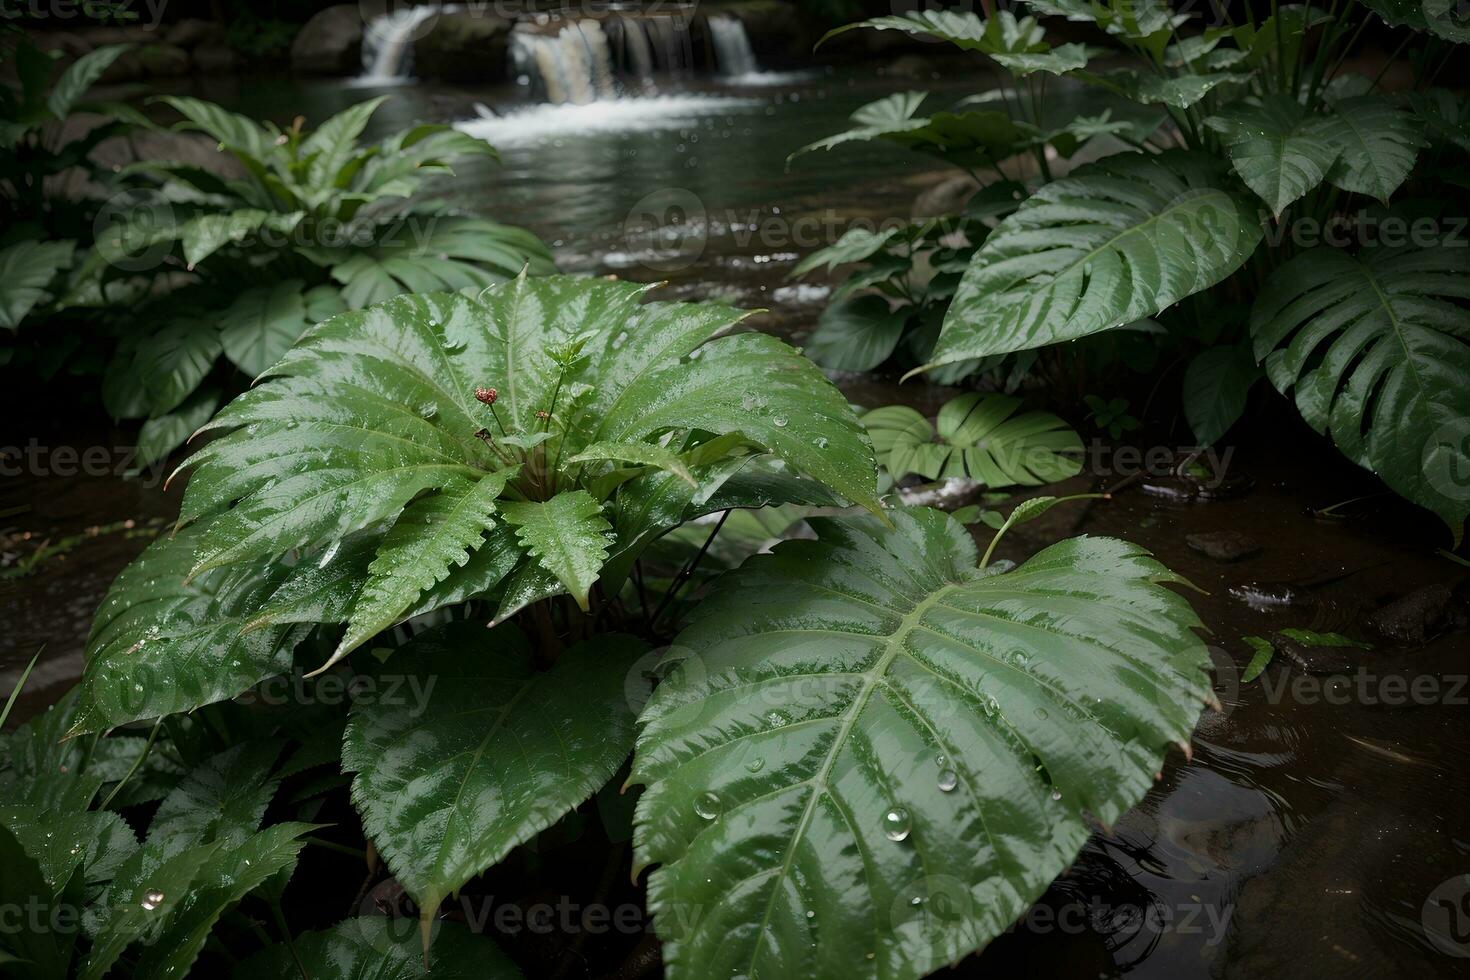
x=634, y=115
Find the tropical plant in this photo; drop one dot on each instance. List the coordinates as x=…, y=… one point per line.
x=841, y=727
x=1260, y=141
x=980, y=438
x=315, y=222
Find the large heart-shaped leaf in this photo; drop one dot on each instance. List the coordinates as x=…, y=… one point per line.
x=874, y=756
x=856, y=333
x=262, y=324
x=1279, y=149
x=1117, y=241
x=1375, y=348
x=481, y=752
x=1377, y=142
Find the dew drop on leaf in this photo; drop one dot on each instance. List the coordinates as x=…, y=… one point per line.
x=707, y=806
x=756, y=764
x=948, y=780
x=896, y=824
x=152, y=900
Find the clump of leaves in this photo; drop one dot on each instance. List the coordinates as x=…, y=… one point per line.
x=977, y=437
x=319, y=222
x=1253, y=125
x=438, y=462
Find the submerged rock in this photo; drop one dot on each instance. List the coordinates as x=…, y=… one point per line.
x=1226, y=546
x=1422, y=614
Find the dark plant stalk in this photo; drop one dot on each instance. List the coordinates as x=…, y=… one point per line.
x=686, y=572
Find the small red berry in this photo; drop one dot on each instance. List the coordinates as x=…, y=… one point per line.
x=487, y=395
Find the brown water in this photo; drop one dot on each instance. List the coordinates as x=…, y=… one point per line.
x=1306, y=837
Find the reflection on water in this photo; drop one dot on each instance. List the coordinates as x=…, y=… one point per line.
x=1304, y=838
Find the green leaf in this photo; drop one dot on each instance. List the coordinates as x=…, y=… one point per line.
x=1216, y=385
x=1443, y=116
x=856, y=333
x=1116, y=241
x=63, y=842
x=172, y=360
x=382, y=948
x=1278, y=39
x=855, y=245
x=492, y=753
x=79, y=76
x=222, y=800
x=866, y=719
x=975, y=138
x=1373, y=347
x=334, y=142
x=26, y=269
x=641, y=453
x=1178, y=92
x=1377, y=143
x=139, y=904
x=431, y=536
x=567, y=535
x=262, y=324
x=162, y=435
x=1279, y=149
x=229, y=874
x=159, y=645
x=1017, y=44
x=202, y=236
x=978, y=439
x=1260, y=659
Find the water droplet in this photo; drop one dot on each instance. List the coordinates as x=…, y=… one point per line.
x=896, y=824
x=779, y=421
x=1056, y=794
x=777, y=718
x=810, y=914
x=756, y=764
x=820, y=442
x=707, y=806
x=948, y=780
x=152, y=900
x=1041, y=714
x=916, y=900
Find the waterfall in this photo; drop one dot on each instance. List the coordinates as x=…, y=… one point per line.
x=574, y=65
x=387, y=44
x=733, y=54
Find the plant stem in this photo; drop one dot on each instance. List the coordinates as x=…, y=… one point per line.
x=147, y=747
x=686, y=572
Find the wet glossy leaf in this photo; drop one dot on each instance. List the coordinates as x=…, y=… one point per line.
x=1178, y=92
x=1261, y=657
x=866, y=720
x=567, y=535
x=1114, y=242
x=223, y=799
x=92, y=843
x=380, y=948
x=140, y=902
x=979, y=437
x=1376, y=141
x=490, y=751
x=1279, y=149
x=1373, y=348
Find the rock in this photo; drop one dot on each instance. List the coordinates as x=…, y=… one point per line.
x=1421, y=615
x=949, y=196
x=1226, y=546
x=330, y=43
x=194, y=32
x=1319, y=658
x=69, y=44
x=213, y=59
x=780, y=35
x=464, y=46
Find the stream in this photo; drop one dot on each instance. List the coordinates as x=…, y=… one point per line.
x=1319, y=829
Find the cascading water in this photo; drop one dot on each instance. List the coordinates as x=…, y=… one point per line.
x=733, y=54
x=387, y=44
x=574, y=65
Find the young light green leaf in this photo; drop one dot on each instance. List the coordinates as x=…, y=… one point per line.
x=432, y=536
x=870, y=705
x=567, y=535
